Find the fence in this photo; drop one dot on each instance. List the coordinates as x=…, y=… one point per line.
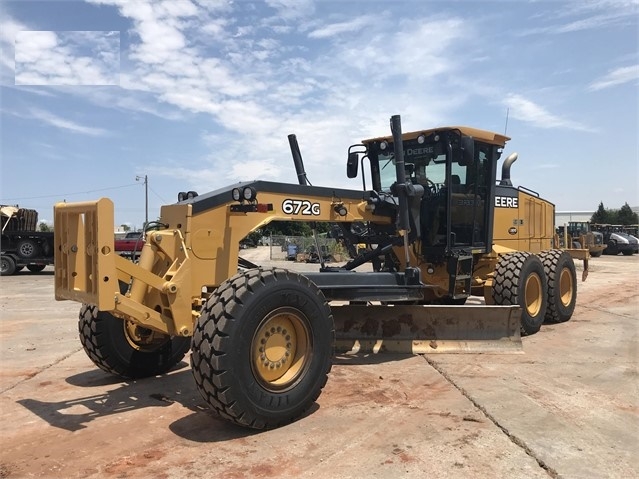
x=288, y=247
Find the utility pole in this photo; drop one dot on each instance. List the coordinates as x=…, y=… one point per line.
x=146, y=199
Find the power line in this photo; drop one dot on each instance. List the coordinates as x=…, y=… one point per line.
x=7, y=200
x=153, y=191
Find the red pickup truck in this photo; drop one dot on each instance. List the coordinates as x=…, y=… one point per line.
x=130, y=245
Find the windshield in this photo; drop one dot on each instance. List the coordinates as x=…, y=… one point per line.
x=455, y=214
x=425, y=164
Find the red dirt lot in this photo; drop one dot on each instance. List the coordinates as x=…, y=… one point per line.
x=565, y=408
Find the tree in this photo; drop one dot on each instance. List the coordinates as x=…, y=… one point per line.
x=622, y=216
x=626, y=216
x=125, y=227
x=601, y=216
x=44, y=227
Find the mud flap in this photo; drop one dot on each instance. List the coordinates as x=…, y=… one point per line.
x=427, y=329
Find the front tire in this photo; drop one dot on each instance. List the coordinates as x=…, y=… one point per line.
x=262, y=347
x=7, y=266
x=122, y=348
x=562, y=285
x=520, y=280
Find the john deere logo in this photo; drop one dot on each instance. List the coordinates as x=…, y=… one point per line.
x=512, y=231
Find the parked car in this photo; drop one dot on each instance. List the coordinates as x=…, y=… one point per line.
x=291, y=251
x=130, y=245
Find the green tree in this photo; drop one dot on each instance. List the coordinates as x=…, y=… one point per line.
x=254, y=237
x=626, y=216
x=602, y=215
x=125, y=227
x=44, y=227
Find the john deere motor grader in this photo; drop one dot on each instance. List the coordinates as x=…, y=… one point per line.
x=438, y=229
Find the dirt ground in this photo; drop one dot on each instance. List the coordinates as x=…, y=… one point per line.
x=567, y=407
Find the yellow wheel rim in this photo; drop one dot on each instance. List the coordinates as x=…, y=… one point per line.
x=280, y=351
x=534, y=295
x=566, y=287
x=142, y=339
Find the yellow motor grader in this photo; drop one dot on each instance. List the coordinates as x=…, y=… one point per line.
x=438, y=229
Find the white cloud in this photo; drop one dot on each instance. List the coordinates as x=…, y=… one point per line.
x=258, y=88
x=526, y=110
x=424, y=49
x=590, y=15
x=58, y=122
x=349, y=26
x=616, y=77
x=66, y=58
x=9, y=28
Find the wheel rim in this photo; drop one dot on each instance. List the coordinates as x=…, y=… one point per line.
x=26, y=249
x=281, y=349
x=142, y=339
x=566, y=287
x=534, y=295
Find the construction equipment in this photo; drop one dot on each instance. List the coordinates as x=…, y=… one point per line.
x=436, y=229
x=577, y=235
x=618, y=238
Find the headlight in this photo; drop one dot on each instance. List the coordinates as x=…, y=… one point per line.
x=236, y=194
x=249, y=193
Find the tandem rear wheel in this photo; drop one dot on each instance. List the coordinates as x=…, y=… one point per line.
x=562, y=285
x=544, y=285
x=520, y=279
x=262, y=347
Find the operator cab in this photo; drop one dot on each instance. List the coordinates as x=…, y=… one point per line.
x=456, y=166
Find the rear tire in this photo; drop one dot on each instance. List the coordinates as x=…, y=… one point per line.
x=596, y=254
x=262, y=347
x=628, y=253
x=520, y=280
x=121, y=348
x=7, y=266
x=35, y=268
x=562, y=285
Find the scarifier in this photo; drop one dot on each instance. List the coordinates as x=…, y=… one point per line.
x=438, y=229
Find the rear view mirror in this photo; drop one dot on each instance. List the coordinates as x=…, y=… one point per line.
x=467, y=150
x=352, y=165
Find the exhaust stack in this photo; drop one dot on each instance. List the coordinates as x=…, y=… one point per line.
x=297, y=160
x=505, y=170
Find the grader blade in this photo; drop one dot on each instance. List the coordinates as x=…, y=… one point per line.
x=427, y=329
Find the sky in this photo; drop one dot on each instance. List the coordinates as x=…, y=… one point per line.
x=96, y=95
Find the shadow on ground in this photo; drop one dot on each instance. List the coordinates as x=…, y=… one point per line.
x=156, y=392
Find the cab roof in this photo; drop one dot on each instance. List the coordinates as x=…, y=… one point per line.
x=481, y=135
